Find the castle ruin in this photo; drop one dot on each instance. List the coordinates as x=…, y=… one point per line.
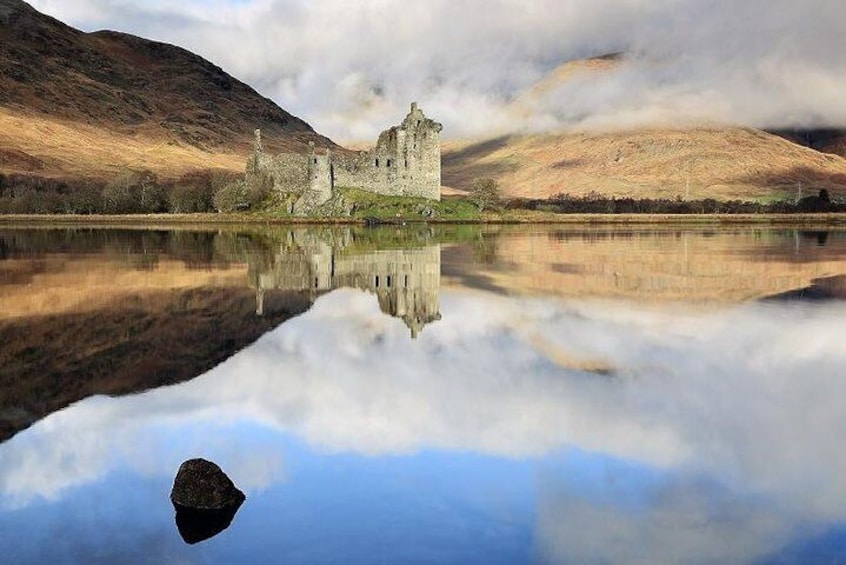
x=405, y=162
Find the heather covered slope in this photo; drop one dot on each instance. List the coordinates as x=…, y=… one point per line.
x=722, y=163
x=74, y=103
x=831, y=140
x=705, y=161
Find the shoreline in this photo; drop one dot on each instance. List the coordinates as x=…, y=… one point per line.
x=153, y=220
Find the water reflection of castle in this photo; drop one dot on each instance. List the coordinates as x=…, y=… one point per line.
x=405, y=281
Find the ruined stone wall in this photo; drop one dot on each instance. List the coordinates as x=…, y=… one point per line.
x=290, y=173
x=306, y=179
x=286, y=173
x=405, y=162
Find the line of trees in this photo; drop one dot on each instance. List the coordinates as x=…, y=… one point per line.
x=141, y=192
x=594, y=203
x=133, y=192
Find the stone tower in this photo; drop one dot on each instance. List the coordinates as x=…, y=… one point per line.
x=405, y=162
x=422, y=149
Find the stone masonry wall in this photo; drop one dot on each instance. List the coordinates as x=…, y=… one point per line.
x=405, y=162
x=290, y=173
x=320, y=183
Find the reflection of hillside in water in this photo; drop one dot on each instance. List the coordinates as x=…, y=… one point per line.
x=86, y=312
x=115, y=311
x=405, y=281
x=656, y=263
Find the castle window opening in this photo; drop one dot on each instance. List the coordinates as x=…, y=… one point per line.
x=377, y=281
x=388, y=282
x=388, y=164
x=406, y=163
x=315, y=160
x=377, y=161
x=406, y=281
x=315, y=282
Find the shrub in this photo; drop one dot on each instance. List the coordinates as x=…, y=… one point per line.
x=232, y=197
x=83, y=199
x=186, y=198
x=134, y=192
x=484, y=194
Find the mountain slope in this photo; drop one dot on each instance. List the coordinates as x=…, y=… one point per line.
x=700, y=162
x=724, y=163
x=151, y=93
x=824, y=140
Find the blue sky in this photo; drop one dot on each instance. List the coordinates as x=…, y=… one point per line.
x=351, y=67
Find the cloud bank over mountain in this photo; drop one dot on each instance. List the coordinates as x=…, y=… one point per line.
x=350, y=68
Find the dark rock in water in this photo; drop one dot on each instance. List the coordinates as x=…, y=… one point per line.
x=199, y=525
x=202, y=485
x=205, y=499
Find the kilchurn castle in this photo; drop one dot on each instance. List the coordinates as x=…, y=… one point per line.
x=405, y=162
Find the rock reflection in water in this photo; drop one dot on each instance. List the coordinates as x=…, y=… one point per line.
x=199, y=525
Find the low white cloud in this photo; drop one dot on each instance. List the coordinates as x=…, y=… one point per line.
x=351, y=68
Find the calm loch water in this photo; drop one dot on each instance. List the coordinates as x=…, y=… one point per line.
x=427, y=394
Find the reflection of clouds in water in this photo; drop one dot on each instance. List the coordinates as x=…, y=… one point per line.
x=751, y=397
x=83, y=443
x=686, y=522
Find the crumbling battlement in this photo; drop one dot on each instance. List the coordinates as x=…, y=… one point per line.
x=405, y=162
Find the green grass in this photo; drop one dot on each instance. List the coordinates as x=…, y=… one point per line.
x=370, y=205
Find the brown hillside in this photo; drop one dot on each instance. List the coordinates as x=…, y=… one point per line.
x=701, y=163
x=114, y=93
x=47, y=146
x=137, y=310
x=824, y=140
x=704, y=162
